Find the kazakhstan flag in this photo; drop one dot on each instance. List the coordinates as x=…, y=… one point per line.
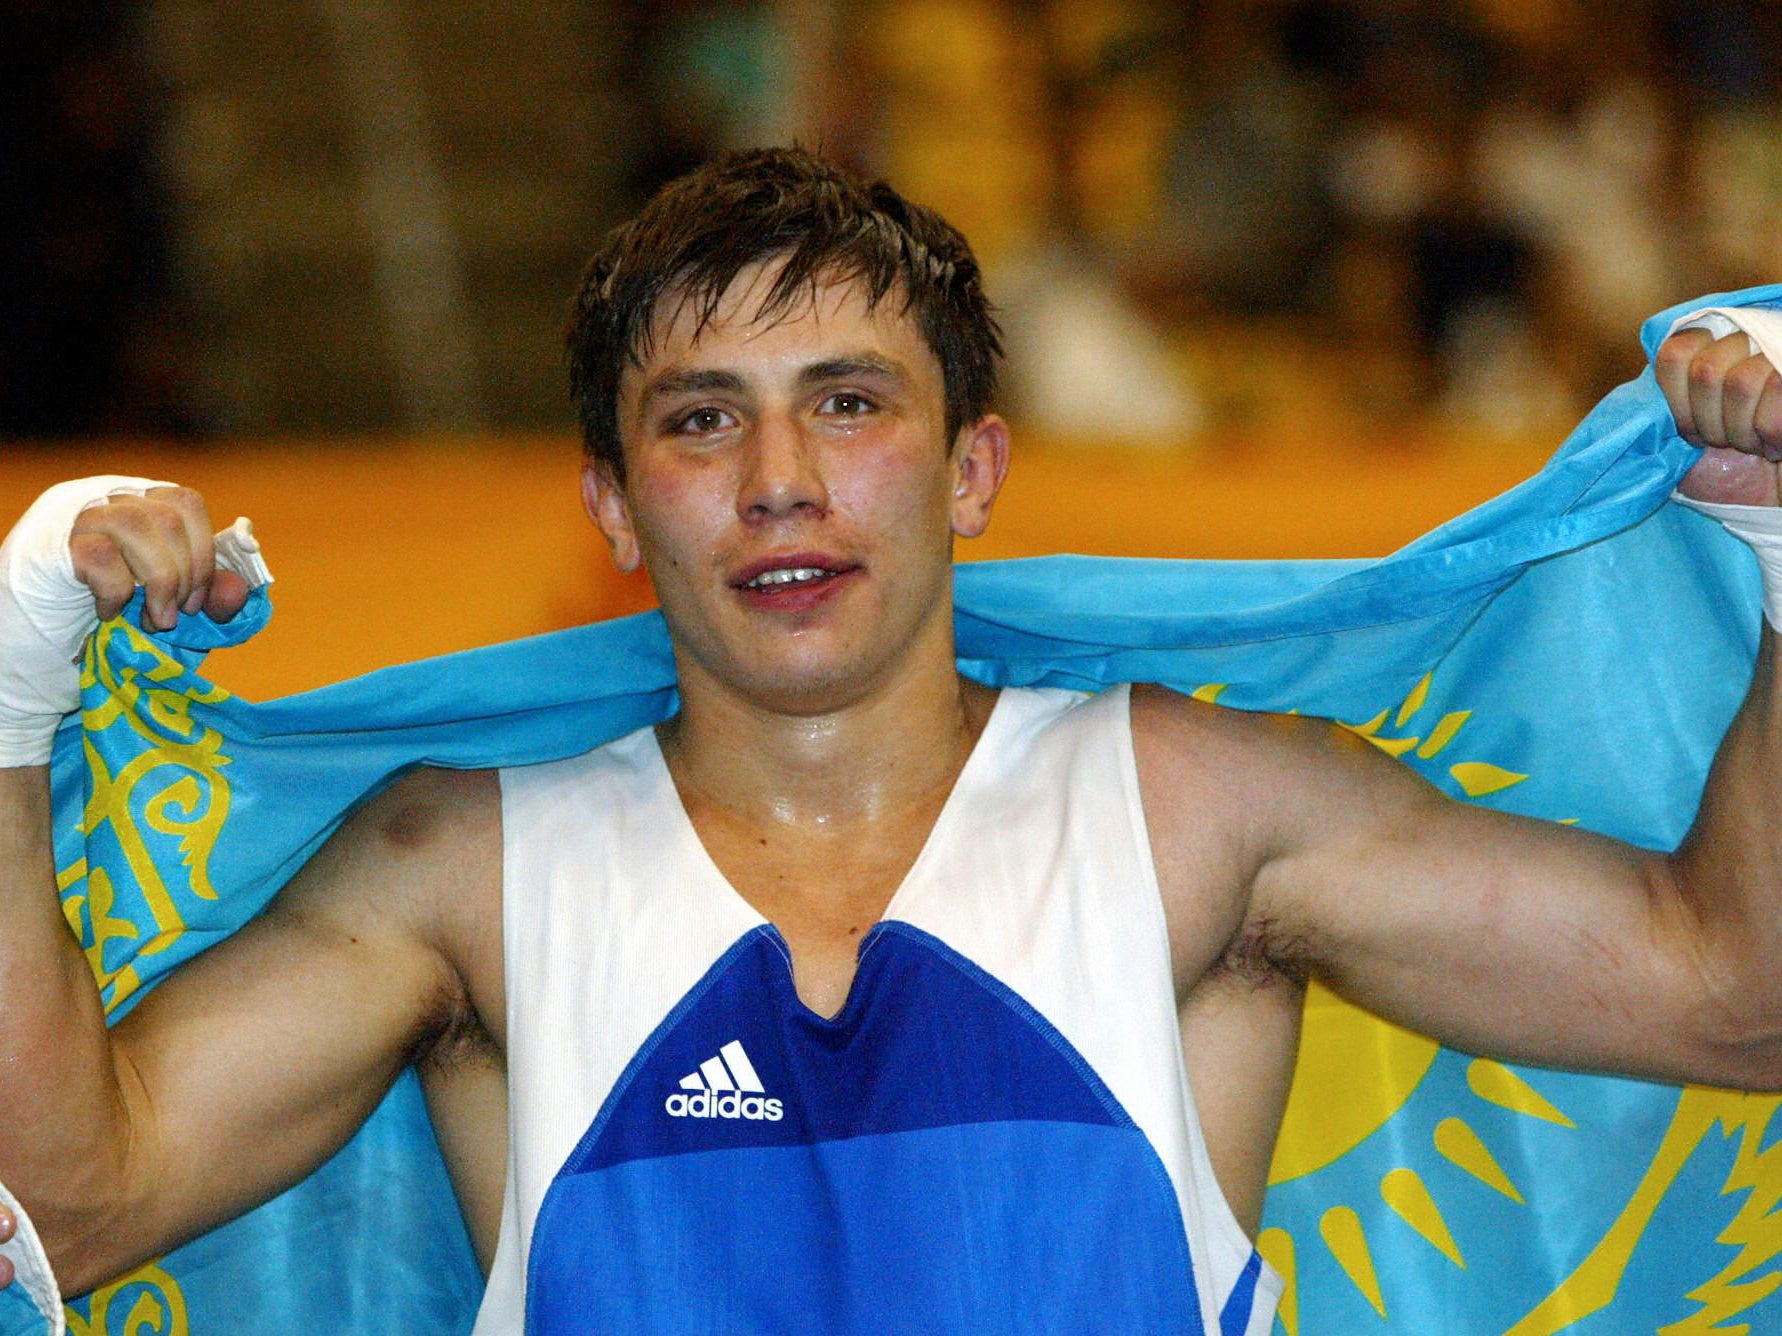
x=1571, y=650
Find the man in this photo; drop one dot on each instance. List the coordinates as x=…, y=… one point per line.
x=856, y=996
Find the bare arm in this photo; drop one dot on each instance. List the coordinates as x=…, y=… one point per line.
x=246, y=1070
x=1494, y=933
x=259, y=1059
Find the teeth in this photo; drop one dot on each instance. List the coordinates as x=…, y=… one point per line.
x=786, y=576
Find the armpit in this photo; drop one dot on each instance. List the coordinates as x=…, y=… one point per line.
x=451, y=1037
x=1264, y=953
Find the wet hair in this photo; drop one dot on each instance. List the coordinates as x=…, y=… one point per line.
x=695, y=235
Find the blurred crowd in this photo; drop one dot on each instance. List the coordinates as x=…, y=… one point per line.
x=1196, y=216
x=1454, y=207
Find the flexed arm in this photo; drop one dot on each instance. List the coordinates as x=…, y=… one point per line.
x=54, y=585
x=1571, y=949
x=249, y=1067
x=1726, y=395
x=1494, y=933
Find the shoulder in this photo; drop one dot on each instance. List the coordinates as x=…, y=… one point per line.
x=1203, y=779
x=419, y=867
x=412, y=854
x=429, y=813
x=1258, y=763
x=1190, y=750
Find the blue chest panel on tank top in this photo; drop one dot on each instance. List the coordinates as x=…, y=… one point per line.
x=936, y=1158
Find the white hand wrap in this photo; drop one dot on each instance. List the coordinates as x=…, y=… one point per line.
x=46, y=616
x=1762, y=326
x=31, y=1267
x=1760, y=529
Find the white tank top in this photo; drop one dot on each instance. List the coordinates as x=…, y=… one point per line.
x=994, y=1135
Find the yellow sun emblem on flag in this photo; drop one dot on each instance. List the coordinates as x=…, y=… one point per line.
x=1356, y=1073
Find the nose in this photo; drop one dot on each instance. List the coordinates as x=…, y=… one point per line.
x=783, y=475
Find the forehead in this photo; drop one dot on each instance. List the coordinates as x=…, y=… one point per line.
x=833, y=316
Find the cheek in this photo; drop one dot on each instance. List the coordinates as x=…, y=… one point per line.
x=671, y=515
x=891, y=489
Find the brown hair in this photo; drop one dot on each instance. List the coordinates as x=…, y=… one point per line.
x=697, y=233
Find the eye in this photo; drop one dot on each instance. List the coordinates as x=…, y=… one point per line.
x=846, y=403
x=701, y=421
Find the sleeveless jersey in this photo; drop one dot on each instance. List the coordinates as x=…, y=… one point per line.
x=994, y=1135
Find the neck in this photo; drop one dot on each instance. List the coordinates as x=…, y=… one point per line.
x=897, y=748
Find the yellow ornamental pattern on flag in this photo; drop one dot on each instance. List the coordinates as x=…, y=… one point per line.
x=159, y=787
x=171, y=788
x=147, y=1302
x=1356, y=1073
x=90, y=915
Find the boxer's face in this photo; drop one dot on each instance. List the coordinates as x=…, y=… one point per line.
x=791, y=489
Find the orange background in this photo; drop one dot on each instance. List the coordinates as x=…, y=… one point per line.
x=393, y=550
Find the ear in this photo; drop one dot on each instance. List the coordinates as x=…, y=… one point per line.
x=980, y=462
x=603, y=497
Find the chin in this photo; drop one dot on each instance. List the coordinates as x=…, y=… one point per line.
x=817, y=670
x=804, y=691
x=812, y=680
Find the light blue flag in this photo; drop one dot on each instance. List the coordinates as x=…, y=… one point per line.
x=1572, y=649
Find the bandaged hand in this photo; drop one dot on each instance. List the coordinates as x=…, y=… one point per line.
x=1718, y=371
x=76, y=558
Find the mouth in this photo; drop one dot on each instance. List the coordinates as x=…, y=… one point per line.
x=791, y=581
x=782, y=577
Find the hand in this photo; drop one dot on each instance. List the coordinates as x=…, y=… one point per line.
x=162, y=541
x=1727, y=400
x=8, y=1227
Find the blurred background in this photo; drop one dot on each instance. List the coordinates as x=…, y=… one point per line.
x=1282, y=277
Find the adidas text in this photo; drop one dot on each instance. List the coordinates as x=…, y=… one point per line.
x=729, y=1104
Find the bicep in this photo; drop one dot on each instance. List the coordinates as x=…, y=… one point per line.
x=1491, y=932
x=260, y=1058
x=258, y=1061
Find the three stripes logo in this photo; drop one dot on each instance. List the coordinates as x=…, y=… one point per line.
x=724, y=1086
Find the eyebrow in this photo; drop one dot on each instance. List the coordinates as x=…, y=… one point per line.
x=846, y=368
x=709, y=380
x=691, y=382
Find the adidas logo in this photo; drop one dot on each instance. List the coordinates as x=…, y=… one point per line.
x=725, y=1086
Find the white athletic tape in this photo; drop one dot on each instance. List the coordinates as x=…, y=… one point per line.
x=239, y=551
x=1762, y=326
x=31, y=1267
x=46, y=616
x=1760, y=527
